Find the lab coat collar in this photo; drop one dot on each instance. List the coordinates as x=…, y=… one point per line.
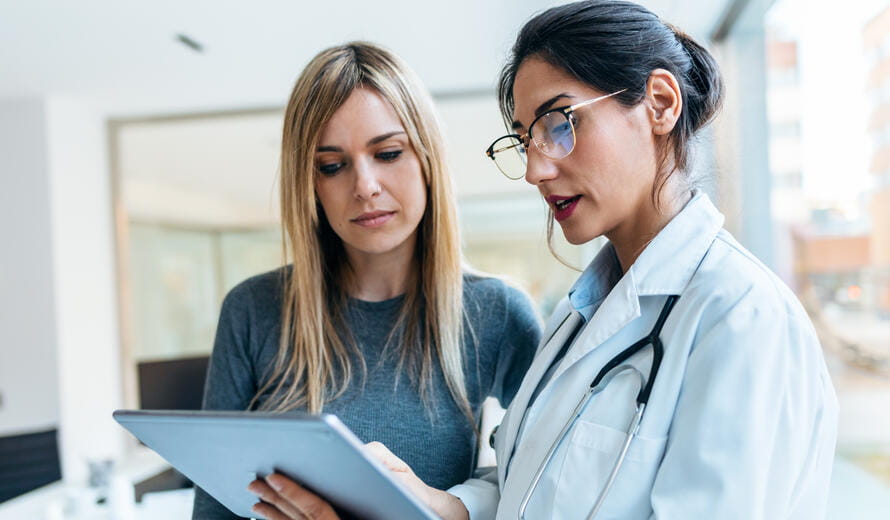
x=613, y=301
x=557, y=336
x=665, y=267
x=669, y=261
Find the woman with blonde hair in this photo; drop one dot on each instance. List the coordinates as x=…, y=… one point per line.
x=376, y=319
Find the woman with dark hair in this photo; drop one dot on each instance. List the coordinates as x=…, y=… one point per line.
x=680, y=378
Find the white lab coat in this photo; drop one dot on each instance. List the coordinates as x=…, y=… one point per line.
x=742, y=418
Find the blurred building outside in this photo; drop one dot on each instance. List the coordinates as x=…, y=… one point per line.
x=834, y=246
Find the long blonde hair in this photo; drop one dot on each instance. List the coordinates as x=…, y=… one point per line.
x=312, y=366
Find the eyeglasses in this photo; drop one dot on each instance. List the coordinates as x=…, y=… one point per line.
x=553, y=133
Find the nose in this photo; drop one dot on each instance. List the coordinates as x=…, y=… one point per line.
x=367, y=182
x=538, y=168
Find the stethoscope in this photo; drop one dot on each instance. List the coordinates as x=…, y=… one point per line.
x=613, y=368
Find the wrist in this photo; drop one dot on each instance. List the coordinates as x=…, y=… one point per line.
x=448, y=506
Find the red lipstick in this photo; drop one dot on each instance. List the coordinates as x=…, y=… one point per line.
x=563, y=207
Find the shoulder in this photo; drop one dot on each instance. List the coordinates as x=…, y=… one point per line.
x=500, y=311
x=746, y=325
x=736, y=290
x=487, y=291
x=270, y=281
x=505, y=327
x=259, y=292
x=732, y=272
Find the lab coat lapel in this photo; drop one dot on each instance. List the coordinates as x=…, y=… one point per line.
x=509, y=428
x=621, y=306
x=663, y=268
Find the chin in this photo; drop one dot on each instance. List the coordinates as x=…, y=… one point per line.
x=576, y=237
x=576, y=241
x=380, y=245
x=377, y=249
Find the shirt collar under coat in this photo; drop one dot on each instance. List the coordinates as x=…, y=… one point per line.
x=665, y=267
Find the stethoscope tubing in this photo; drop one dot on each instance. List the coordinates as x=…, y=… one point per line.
x=632, y=430
x=657, y=352
x=599, y=383
x=579, y=409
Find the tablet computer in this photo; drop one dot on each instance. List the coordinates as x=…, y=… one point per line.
x=223, y=452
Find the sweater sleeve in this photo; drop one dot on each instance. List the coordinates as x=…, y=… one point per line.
x=231, y=383
x=520, y=335
x=519, y=339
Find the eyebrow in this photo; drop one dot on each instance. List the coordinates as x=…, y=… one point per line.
x=543, y=107
x=371, y=142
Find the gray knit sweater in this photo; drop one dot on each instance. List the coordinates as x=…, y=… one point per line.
x=436, y=440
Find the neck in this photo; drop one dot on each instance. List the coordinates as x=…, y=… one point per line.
x=631, y=239
x=378, y=277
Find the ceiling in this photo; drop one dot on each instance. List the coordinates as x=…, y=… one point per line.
x=214, y=162
x=123, y=58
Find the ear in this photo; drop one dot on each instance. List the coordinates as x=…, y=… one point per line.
x=663, y=100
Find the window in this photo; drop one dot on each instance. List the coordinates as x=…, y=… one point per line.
x=832, y=215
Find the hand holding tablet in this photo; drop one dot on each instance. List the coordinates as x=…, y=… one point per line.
x=283, y=499
x=224, y=452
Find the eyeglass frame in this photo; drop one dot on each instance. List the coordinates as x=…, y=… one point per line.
x=526, y=138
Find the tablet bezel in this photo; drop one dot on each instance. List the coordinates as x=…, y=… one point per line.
x=181, y=437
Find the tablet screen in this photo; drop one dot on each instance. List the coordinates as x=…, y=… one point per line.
x=222, y=452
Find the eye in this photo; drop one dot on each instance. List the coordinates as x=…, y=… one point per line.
x=389, y=155
x=562, y=127
x=330, y=169
x=573, y=119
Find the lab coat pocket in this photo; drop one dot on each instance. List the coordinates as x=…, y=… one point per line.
x=591, y=454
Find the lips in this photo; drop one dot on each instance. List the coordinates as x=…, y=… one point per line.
x=373, y=218
x=563, y=207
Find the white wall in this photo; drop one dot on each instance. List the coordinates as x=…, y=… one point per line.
x=84, y=276
x=59, y=348
x=214, y=171
x=28, y=360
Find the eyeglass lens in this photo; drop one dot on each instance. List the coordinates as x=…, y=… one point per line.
x=552, y=134
x=509, y=156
